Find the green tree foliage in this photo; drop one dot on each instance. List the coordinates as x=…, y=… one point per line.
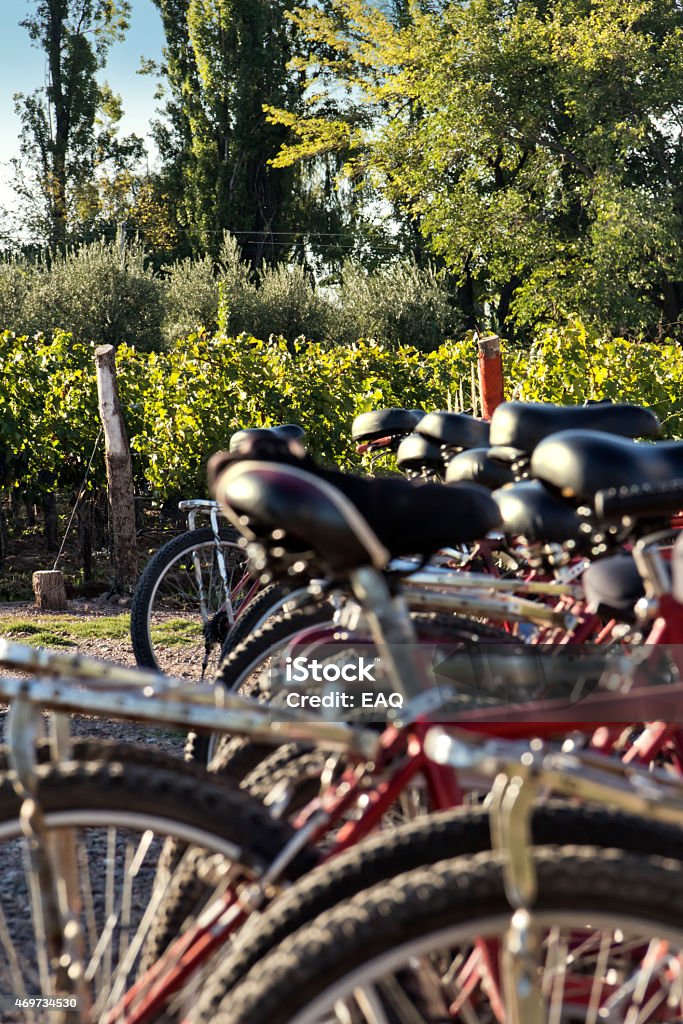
x=397, y=302
x=223, y=60
x=536, y=144
x=109, y=292
x=70, y=126
x=101, y=293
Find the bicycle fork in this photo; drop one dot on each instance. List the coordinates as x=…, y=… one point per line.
x=511, y=800
x=54, y=888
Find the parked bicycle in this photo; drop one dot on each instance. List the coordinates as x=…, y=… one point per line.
x=193, y=590
x=146, y=877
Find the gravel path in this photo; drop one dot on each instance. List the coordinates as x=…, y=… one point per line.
x=118, y=650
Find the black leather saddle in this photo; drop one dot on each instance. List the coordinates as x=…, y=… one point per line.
x=287, y=432
x=579, y=463
x=522, y=425
x=613, y=586
x=416, y=453
x=477, y=466
x=454, y=430
x=351, y=521
x=370, y=426
x=533, y=513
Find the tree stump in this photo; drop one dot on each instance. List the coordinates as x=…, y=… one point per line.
x=48, y=586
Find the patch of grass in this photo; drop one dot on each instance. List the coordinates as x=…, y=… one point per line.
x=176, y=632
x=64, y=630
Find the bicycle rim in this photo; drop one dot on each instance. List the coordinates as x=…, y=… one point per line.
x=187, y=608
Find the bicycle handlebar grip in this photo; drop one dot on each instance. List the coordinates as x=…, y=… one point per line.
x=641, y=500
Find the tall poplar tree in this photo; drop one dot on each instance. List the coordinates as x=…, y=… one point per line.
x=69, y=125
x=223, y=60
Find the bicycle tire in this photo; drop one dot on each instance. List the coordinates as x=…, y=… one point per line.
x=173, y=801
x=262, y=607
x=435, y=907
x=236, y=674
x=463, y=831
x=246, y=657
x=151, y=578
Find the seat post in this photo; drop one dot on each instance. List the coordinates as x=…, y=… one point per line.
x=648, y=559
x=392, y=631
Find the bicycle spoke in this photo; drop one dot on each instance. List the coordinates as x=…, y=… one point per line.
x=554, y=974
x=370, y=1005
x=87, y=895
x=37, y=918
x=16, y=976
x=113, y=915
x=598, y=978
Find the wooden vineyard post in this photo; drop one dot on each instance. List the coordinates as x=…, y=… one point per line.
x=119, y=472
x=490, y=374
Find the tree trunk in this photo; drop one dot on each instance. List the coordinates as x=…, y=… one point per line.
x=48, y=587
x=85, y=536
x=49, y=504
x=16, y=517
x=119, y=473
x=672, y=292
x=30, y=511
x=3, y=540
x=62, y=122
x=507, y=292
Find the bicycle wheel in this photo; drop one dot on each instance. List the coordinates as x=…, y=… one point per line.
x=459, y=832
x=426, y=947
x=237, y=673
x=178, y=618
x=119, y=817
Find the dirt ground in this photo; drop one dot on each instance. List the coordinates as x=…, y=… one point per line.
x=117, y=649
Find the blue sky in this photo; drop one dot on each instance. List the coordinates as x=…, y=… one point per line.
x=22, y=70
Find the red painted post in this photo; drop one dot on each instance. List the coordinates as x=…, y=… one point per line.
x=490, y=374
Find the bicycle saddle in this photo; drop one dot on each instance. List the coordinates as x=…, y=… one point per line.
x=350, y=521
x=530, y=511
x=370, y=426
x=579, y=463
x=477, y=466
x=523, y=425
x=288, y=432
x=416, y=453
x=613, y=586
x=454, y=429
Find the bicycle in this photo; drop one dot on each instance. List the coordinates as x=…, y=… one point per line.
x=195, y=588
x=526, y=933
x=378, y=770
x=189, y=593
